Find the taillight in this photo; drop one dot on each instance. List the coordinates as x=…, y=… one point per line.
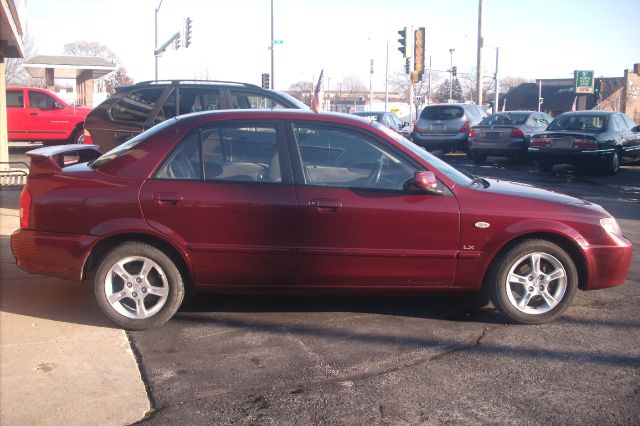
x=517, y=133
x=472, y=133
x=540, y=143
x=585, y=143
x=25, y=208
x=87, y=138
x=465, y=127
x=415, y=127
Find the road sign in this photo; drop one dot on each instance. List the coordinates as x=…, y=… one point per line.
x=278, y=41
x=584, y=82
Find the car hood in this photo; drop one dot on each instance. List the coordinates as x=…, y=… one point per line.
x=518, y=189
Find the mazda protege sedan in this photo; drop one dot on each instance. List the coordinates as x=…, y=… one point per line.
x=295, y=201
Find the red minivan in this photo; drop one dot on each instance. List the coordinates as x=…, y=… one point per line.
x=38, y=115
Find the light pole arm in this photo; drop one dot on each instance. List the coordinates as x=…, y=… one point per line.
x=162, y=48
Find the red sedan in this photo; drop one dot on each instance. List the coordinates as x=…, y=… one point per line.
x=293, y=201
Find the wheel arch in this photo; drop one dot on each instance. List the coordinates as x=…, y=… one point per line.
x=565, y=243
x=104, y=246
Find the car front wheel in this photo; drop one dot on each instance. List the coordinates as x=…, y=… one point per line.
x=138, y=286
x=533, y=282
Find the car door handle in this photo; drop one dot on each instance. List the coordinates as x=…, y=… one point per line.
x=325, y=204
x=35, y=113
x=167, y=198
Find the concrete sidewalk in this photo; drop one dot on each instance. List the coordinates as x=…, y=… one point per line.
x=61, y=360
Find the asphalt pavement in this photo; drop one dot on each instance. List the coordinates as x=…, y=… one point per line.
x=294, y=360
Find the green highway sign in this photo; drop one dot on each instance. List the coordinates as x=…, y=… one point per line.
x=278, y=41
x=584, y=81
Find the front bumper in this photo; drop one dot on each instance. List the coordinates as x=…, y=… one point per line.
x=51, y=253
x=608, y=265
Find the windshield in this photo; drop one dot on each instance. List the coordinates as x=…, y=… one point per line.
x=451, y=172
x=587, y=123
x=505, y=119
x=121, y=149
x=294, y=101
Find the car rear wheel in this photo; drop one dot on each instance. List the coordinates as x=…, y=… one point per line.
x=545, y=166
x=532, y=282
x=613, y=165
x=138, y=286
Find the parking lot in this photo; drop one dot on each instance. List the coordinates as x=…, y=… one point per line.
x=228, y=359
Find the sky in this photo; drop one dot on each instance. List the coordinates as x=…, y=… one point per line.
x=536, y=39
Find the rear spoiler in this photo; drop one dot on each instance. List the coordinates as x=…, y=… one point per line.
x=52, y=159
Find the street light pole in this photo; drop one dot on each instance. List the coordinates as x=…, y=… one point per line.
x=273, y=84
x=451, y=73
x=479, y=63
x=386, y=82
x=155, y=47
x=497, y=83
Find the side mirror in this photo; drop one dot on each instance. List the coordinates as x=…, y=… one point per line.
x=424, y=182
x=636, y=128
x=405, y=124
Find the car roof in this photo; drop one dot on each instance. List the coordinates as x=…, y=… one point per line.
x=164, y=83
x=590, y=112
x=283, y=114
x=368, y=112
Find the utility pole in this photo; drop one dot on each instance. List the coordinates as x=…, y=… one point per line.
x=479, y=63
x=155, y=47
x=386, y=81
x=497, y=84
x=273, y=79
x=450, y=74
x=371, y=85
x=429, y=84
x=539, y=94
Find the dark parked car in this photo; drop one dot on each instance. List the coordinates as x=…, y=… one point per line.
x=294, y=201
x=601, y=139
x=136, y=108
x=505, y=134
x=389, y=119
x=445, y=127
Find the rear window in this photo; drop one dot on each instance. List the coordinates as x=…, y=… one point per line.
x=505, y=119
x=442, y=112
x=593, y=123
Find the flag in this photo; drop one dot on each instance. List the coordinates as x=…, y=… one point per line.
x=573, y=106
x=317, y=94
x=504, y=104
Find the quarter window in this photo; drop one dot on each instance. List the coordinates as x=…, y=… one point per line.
x=344, y=158
x=246, y=153
x=136, y=106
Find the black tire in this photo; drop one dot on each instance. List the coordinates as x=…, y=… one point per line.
x=478, y=158
x=77, y=137
x=545, y=166
x=527, y=301
x=613, y=164
x=145, y=300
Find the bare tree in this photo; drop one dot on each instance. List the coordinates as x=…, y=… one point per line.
x=470, y=88
x=302, y=91
x=351, y=85
x=14, y=71
x=509, y=82
x=110, y=81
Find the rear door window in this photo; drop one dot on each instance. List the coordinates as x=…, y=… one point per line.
x=199, y=99
x=136, y=106
x=442, y=112
x=248, y=100
x=15, y=99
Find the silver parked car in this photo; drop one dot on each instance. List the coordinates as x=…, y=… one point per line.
x=505, y=134
x=445, y=127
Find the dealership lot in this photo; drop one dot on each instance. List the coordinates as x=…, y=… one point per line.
x=374, y=360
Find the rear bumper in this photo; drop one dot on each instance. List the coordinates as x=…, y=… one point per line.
x=440, y=142
x=511, y=147
x=557, y=156
x=50, y=253
x=608, y=266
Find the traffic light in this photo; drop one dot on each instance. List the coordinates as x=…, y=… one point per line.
x=407, y=65
x=454, y=71
x=176, y=43
x=418, y=50
x=403, y=42
x=265, y=80
x=186, y=34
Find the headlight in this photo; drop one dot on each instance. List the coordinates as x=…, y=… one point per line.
x=611, y=226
